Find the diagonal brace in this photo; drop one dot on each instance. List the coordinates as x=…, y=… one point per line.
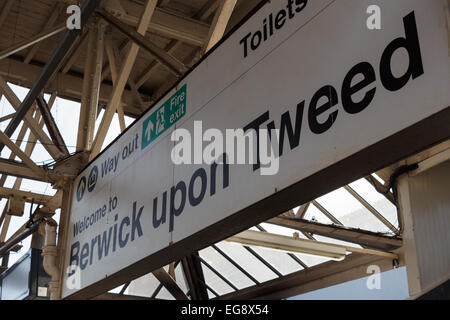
x=53, y=130
x=47, y=72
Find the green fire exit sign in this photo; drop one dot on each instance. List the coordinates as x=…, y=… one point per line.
x=166, y=116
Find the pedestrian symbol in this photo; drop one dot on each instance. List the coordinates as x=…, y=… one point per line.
x=166, y=116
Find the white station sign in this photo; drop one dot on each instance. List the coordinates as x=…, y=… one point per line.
x=311, y=69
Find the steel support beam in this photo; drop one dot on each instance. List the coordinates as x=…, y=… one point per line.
x=54, y=62
x=50, y=21
x=91, y=87
x=302, y=210
x=113, y=56
x=207, y=10
x=166, y=59
x=24, y=157
x=365, y=238
x=173, y=45
x=380, y=188
x=288, y=244
x=27, y=196
x=9, y=116
x=32, y=41
x=119, y=86
x=52, y=128
x=5, y=219
x=31, y=123
x=295, y=244
x=150, y=70
x=170, y=284
x=194, y=275
x=23, y=235
x=68, y=85
x=168, y=23
x=66, y=193
x=74, y=52
x=51, y=204
x=326, y=212
x=114, y=296
x=219, y=24
x=314, y=278
x=160, y=286
x=19, y=169
x=11, y=167
x=374, y=211
x=291, y=255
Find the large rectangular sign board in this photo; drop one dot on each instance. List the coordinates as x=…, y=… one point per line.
x=348, y=99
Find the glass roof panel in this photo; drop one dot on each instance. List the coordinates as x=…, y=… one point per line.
x=215, y=282
x=378, y=178
x=279, y=260
x=164, y=295
x=62, y=110
x=116, y=290
x=364, y=219
x=143, y=286
x=180, y=279
x=339, y=203
x=315, y=214
x=376, y=200
x=247, y=261
x=211, y=295
x=9, y=182
x=350, y=212
x=19, y=221
x=225, y=267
